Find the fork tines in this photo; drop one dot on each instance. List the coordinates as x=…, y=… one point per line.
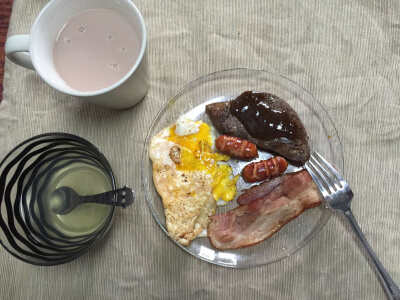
x=324, y=175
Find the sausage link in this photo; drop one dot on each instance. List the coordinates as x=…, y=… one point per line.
x=236, y=147
x=264, y=169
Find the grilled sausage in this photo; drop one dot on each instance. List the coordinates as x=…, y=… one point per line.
x=236, y=147
x=264, y=169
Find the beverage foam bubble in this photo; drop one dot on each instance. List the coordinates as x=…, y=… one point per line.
x=82, y=28
x=114, y=66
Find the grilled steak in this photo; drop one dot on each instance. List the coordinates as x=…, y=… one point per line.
x=265, y=120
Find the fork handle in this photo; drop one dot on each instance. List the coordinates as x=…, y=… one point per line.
x=390, y=287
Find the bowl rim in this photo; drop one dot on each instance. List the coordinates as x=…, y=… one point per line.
x=187, y=86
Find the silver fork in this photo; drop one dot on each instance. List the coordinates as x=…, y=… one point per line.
x=338, y=195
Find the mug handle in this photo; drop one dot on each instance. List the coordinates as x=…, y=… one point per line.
x=17, y=50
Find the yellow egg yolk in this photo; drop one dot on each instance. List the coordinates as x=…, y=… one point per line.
x=196, y=155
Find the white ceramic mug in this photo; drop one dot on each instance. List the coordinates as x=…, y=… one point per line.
x=35, y=51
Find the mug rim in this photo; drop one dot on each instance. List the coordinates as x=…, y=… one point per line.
x=106, y=89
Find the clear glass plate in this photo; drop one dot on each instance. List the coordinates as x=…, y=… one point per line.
x=224, y=85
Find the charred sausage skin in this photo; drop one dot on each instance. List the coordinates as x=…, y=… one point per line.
x=236, y=147
x=264, y=169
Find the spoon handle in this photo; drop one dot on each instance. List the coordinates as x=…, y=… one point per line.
x=120, y=197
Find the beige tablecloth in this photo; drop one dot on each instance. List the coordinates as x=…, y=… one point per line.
x=346, y=53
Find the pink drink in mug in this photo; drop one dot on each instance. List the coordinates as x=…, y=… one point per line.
x=92, y=49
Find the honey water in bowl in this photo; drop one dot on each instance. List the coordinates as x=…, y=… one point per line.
x=30, y=230
x=86, y=218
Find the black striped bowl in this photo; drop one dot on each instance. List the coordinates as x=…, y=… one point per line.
x=24, y=172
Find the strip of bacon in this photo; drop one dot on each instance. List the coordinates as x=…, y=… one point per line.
x=259, y=190
x=259, y=218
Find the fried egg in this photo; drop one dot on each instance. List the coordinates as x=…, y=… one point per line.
x=190, y=178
